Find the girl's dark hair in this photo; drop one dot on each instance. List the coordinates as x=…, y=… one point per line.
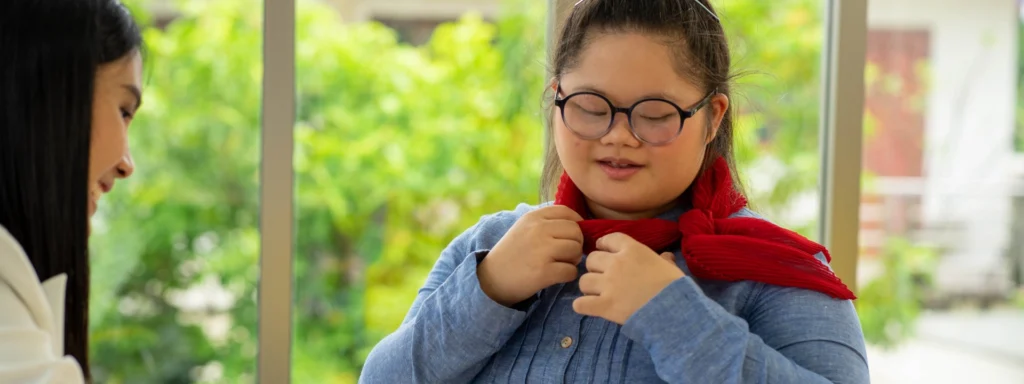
x=52, y=49
x=690, y=28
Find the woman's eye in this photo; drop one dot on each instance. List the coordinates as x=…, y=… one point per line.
x=125, y=114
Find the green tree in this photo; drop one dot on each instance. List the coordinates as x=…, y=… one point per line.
x=189, y=217
x=890, y=304
x=776, y=50
x=395, y=144
x=400, y=148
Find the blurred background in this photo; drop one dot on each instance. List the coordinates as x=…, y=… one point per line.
x=416, y=117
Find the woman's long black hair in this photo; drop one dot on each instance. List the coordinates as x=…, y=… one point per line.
x=49, y=53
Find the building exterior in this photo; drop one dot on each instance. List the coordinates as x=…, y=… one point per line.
x=942, y=93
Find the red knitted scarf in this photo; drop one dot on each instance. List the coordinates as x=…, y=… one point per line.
x=716, y=246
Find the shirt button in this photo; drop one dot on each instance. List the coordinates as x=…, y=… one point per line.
x=566, y=342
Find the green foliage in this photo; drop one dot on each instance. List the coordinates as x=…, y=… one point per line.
x=398, y=149
x=397, y=145
x=1017, y=299
x=776, y=51
x=189, y=216
x=889, y=305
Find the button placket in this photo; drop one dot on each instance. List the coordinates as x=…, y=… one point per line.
x=571, y=340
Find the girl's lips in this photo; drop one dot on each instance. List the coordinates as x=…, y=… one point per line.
x=619, y=171
x=618, y=161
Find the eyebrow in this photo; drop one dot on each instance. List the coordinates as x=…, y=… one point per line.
x=135, y=91
x=656, y=95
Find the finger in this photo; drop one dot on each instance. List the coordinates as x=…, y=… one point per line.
x=563, y=229
x=556, y=212
x=589, y=305
x=591, y=283
x=560, y=273
x=614, y=242
x=598, y=261
x=567, y=251
x=669, y=256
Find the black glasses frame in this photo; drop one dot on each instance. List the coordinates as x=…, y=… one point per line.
x=683, y=114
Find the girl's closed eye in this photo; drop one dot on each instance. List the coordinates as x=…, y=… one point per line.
x=589, y=107
x=657, y=119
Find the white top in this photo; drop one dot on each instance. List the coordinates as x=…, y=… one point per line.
x=31, y=322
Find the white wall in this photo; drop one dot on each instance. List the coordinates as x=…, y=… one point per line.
x=969, y=123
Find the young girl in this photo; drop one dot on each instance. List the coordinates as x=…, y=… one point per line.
x=577, y=292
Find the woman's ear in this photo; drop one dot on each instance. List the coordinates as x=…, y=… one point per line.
x=719, y=105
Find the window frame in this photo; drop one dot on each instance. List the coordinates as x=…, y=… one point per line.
x=841, y=133
x=277, y=217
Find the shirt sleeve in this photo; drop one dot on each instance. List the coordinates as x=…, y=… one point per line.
x=788, y=335
x=26, y=350
x=452, y=328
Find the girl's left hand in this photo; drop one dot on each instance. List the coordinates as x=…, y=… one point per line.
x=623, y=275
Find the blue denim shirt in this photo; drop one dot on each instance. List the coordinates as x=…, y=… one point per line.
x=694, y=331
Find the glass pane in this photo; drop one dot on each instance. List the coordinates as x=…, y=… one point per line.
x=404, y=116
x=942, y=207
x=175, y=249
x=776, y=52
x=418, y=117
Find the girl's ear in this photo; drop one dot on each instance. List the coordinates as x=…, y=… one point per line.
x=719, y=105
x=553, y=84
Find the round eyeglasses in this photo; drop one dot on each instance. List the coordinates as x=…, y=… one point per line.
x=654, y=121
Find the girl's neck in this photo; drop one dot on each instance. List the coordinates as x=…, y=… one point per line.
x=679, y=205
x=597, y=211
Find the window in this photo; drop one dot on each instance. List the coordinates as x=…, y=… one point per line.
x=941, y=196
x=406, y=131
x=175, y=249
x=402, y=145
x=396, y=143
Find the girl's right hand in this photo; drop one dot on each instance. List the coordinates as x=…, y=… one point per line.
x=541, y=249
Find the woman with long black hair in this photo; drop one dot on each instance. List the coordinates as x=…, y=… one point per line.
x=70, y=84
